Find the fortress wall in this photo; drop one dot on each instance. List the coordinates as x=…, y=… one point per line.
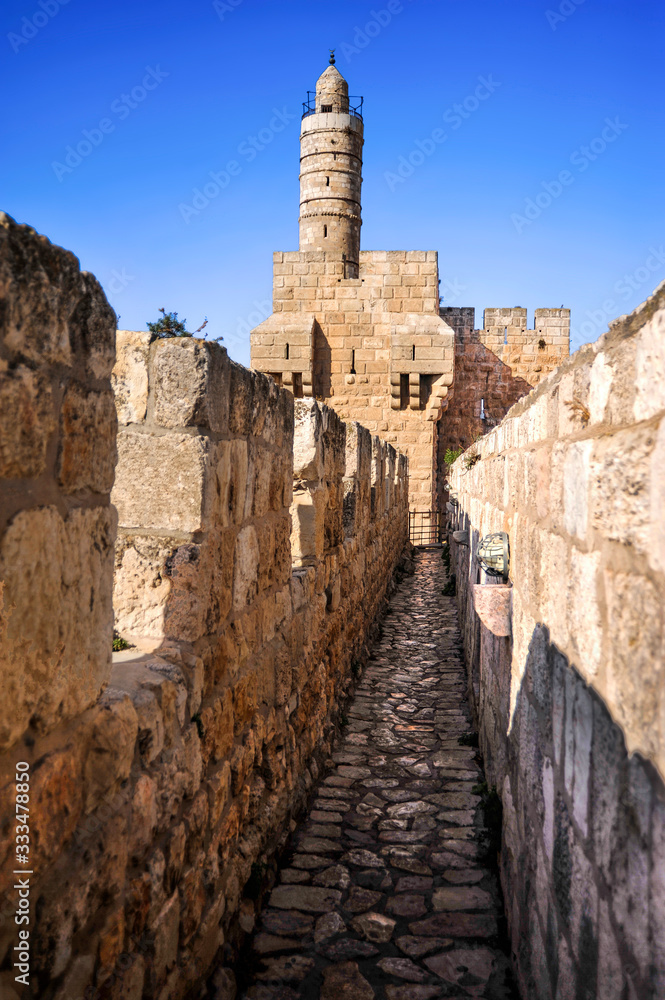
x=57, y=455
x=158, y=806
x=570, y=704
x=352, y=342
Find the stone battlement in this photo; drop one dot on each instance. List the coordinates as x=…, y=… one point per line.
x=568, y=690
x=531, y=354
x=257, y=539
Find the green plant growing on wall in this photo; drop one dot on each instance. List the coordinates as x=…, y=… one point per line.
x=119, y=643
x=451, y=455
x=168, y=325
x=471, y=460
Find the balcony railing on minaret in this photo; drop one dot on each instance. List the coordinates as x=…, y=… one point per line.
x=309, y=106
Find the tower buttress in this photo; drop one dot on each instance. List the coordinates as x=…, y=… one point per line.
x=331, y=141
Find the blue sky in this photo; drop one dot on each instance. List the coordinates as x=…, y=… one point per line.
x=546, y=190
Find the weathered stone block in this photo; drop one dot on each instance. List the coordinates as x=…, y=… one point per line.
x=160, y=481
x=166, y=938
x=26, y=396
x=56, y=653
x=493, y=604
x=88, y=440
x=246, y=566
x=53, y=312
x=141, y=588
x=583, y=609
x=636, y=667
x=130, y=376
x=191, y=382
x=112, y=746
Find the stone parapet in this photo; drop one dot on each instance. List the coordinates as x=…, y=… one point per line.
x=571, y=707
x=57, y=456
x=163, y=788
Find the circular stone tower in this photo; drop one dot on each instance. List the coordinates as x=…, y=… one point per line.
x=331, y=142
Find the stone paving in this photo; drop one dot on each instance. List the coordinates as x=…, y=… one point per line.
x=389, y=891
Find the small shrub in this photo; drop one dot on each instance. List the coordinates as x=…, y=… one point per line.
x=471, y=460
x=168, y=325
x=120, y=643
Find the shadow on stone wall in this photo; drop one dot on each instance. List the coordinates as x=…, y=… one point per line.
x=322, y=363
x=583, y=846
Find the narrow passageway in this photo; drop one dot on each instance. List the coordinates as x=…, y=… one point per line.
x=390, y=890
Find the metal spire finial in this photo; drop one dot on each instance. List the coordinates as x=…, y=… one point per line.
x=332, y=57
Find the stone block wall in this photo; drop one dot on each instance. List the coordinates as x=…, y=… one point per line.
x=530, y=354
x=571, y=705
x=161, y=796
x=372, y=347
x=57, y=456
x=490, y=375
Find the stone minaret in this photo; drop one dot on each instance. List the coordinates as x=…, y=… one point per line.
x=331, y=142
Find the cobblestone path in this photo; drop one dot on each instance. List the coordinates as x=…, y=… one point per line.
x=386, y=892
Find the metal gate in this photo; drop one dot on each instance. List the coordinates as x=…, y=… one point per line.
x=426, y=527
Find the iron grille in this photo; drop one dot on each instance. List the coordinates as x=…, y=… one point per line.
x=426, y=527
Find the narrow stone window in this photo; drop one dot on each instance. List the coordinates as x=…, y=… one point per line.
x=403, y=392
x=413, y=353
x=297, y=385
x=505, y=334
x=327, y=182
x=353, y=363
x=325, y=232
x=276, y=377
x=286, y=352
x=326, y=108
